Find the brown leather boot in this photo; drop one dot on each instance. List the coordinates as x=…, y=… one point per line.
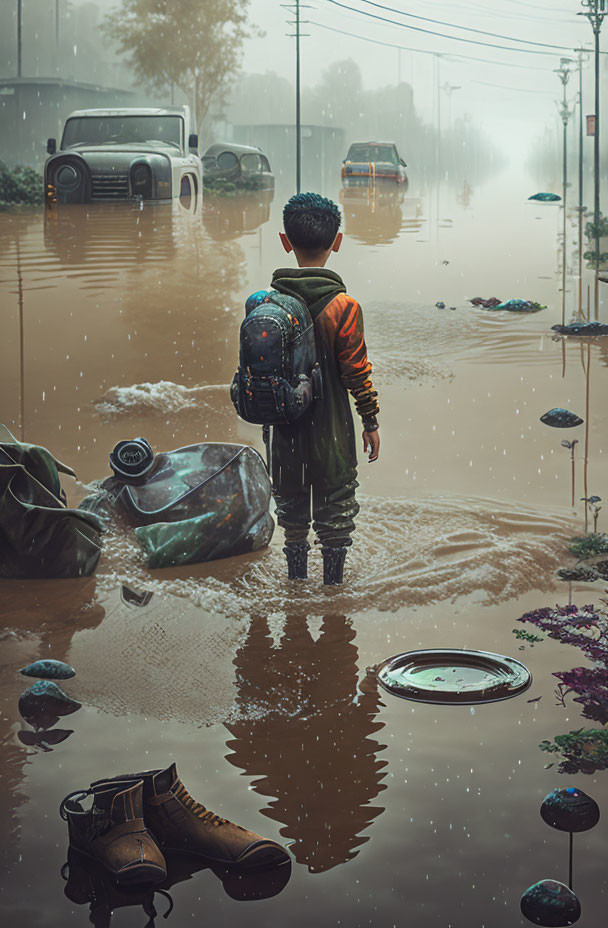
x=179, y=823
x=113, y=832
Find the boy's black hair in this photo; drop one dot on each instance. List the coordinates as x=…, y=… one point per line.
x=311, y=221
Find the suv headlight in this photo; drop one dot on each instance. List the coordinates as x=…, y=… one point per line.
x=141, y=180
x=67, y=177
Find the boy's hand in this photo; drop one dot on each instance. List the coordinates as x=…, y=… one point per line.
x=371, y=443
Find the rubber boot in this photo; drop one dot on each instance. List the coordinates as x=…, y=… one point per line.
x=113, y=832
x=180, y=823
x=333, y=565
x=297, y=561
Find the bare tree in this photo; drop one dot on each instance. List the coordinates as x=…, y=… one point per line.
x=192, y=44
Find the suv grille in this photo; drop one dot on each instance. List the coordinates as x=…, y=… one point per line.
x=110, y=187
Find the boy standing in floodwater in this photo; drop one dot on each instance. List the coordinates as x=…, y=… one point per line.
x=314, y=459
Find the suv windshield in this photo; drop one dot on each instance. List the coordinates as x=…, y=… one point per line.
x=118, y=130
x=364, y=152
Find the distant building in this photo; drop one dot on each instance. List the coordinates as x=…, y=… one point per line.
x=33, y=109
x=323, y=148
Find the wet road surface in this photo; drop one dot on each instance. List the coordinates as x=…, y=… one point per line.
x=120, y=322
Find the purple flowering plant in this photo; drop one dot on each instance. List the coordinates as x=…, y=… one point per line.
x=586, y=628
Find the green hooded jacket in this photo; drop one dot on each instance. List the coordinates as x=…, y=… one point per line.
x=320, y=446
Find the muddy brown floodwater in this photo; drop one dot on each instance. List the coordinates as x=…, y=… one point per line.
x=119, y=322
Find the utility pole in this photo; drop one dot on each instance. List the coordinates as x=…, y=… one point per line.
x=563, y=73
x=19, y=34
x=595, y=11
x=581, y=208
x=297, y=6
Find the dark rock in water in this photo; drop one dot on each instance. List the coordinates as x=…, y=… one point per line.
x=487, y=304
x=581, y=328
x=602, y=568
x=440, y=305
x=551, y=904
x=43, y=703
x=570, y=809
x=559, y=418
x=545, y=197
x=579, y=573
x=44, y=739
x=49, y=669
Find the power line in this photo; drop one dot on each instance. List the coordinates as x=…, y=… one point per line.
x=442, y=22
x=421, y=51
x=454, y=38
x=519, y=89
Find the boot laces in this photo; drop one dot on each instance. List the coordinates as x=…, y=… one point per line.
x=196, y=808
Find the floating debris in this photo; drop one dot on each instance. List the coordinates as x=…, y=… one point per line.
x=545, y=197
x=487, y=304
x=559, y=418
x=519, y=306
x=478, y=676
x=49, y=669
x=440, y=305
x=581, y=328
x=43, y=703
x=131, y=597
x=570, y=809
x=551, y=904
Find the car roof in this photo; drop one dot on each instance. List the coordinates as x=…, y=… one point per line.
x=214, y=150
x=132, y=111
x=394, y=144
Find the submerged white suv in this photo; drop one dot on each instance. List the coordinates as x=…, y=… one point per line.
x=123, y=154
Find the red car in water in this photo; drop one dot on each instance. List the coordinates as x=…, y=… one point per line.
x=374, y=160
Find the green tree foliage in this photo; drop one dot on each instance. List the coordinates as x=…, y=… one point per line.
x=192, y=44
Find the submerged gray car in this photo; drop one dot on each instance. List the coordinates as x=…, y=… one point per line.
x=124, y=154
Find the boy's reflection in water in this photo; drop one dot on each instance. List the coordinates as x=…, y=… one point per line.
x=306, y=735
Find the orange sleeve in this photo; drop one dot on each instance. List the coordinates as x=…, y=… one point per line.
x=355, y=367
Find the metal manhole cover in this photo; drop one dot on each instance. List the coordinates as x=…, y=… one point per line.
x=453, y=677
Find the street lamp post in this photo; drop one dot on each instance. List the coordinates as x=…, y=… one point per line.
x=596, y=11
x=563, y=73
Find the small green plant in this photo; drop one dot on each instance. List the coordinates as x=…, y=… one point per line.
x=583, y=750
x=522, y=635
x=595, y=258
x=602, y=228
x=20, y=186
x=585, y=546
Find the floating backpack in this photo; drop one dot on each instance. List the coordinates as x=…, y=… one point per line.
x=278, y=376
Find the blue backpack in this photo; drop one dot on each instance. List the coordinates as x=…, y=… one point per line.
x=279, y=375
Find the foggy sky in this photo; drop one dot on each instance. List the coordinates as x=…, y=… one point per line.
x=525, y=101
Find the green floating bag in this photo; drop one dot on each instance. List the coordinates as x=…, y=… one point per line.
x=194, y=504
x=39, y=535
